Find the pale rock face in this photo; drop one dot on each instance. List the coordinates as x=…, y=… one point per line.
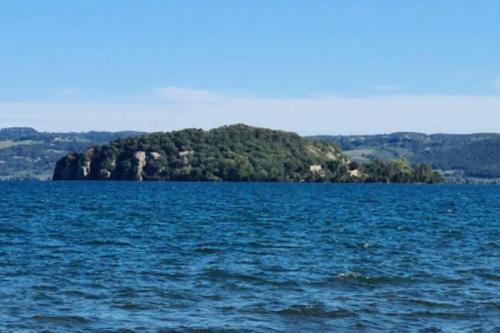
x=186, y=154
x=155, y=155
x=354, y=173
x=83, y=172
x=85, y=169
x=141, y=159
x=315, y=168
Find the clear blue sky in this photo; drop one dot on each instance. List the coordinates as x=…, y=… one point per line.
x=125, y=53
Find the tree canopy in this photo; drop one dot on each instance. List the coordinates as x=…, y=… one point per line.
x=230, y=153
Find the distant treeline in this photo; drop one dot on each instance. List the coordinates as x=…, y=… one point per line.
x=399, y=171
x=470, y=155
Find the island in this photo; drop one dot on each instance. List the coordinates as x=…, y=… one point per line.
x=232, y=153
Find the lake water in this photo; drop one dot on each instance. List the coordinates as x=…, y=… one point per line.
x=236, y=257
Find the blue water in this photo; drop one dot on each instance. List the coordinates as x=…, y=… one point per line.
x=236, y=257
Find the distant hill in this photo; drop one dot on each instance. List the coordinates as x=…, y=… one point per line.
x=231, y=153
x=468, y=155
x=28, y=154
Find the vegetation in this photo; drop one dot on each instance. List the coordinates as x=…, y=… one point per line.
x=458, y=155
x=399, y=171
x=231, y=153
x=26, y=154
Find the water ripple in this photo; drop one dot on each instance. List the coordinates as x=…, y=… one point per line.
x=219, y=257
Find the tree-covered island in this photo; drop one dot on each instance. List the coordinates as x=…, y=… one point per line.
x=232, y=153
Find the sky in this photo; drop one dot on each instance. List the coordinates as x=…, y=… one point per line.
x=314, y=67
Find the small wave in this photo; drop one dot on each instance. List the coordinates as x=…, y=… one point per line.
x=346, y=277
x=357, y=277
x=74, y=293
x=440, y=315
x=220, y=274
x=123, y=330
x=62, y=319
x=104, y=242
x=431, y=330
x=315, y=310
x=206, y=250
x=202, y=330
x=431, y=304
x=11, y=230
x=45, y=287
x=351, y=276
x=490, y=276
x=257, y=278
x=127, y=306
x=492, y=305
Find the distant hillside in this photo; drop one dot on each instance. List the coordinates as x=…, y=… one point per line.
x=230, y=153
x=471, y=155
x=28, y=154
